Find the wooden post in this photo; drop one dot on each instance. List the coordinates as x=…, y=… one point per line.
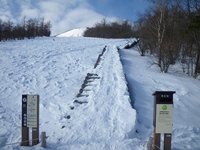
x=156, y=141
x=43, y=139
x=167, y=141
x=35, y=136
x=35, y=130
x=25, y=136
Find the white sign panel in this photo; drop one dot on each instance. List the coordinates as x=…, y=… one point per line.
x=32, y=104
x=164, y=120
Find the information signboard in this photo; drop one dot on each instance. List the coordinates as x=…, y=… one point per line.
x=164, y=120
x=30, y=111
x=30, y=119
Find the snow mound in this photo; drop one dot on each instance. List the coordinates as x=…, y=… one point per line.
x=73, y=33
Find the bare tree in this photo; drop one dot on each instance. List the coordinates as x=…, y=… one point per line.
x=27, y=29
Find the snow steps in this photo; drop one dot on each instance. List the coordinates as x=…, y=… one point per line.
x=100, y=57
x=89, y=79
x=84, y=93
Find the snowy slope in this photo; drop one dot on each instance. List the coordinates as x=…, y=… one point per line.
x=73, y=33
x=145, y=78
x=55, y=68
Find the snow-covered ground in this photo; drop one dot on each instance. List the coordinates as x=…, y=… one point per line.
x=145, y=78
x=73, y=33
x=55, y=68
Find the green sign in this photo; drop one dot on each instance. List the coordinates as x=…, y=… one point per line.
x=164, y=107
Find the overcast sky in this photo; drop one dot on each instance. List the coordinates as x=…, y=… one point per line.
x=69, y=14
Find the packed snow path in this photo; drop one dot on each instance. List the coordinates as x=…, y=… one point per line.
x=54, y=68
x=101, y=120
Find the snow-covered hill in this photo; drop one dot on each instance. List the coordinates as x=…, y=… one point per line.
x=73, y=33
x=55, y=68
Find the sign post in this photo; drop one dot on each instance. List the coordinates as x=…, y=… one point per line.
x=30, y=119
x=25, y=129
x=162, y=120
